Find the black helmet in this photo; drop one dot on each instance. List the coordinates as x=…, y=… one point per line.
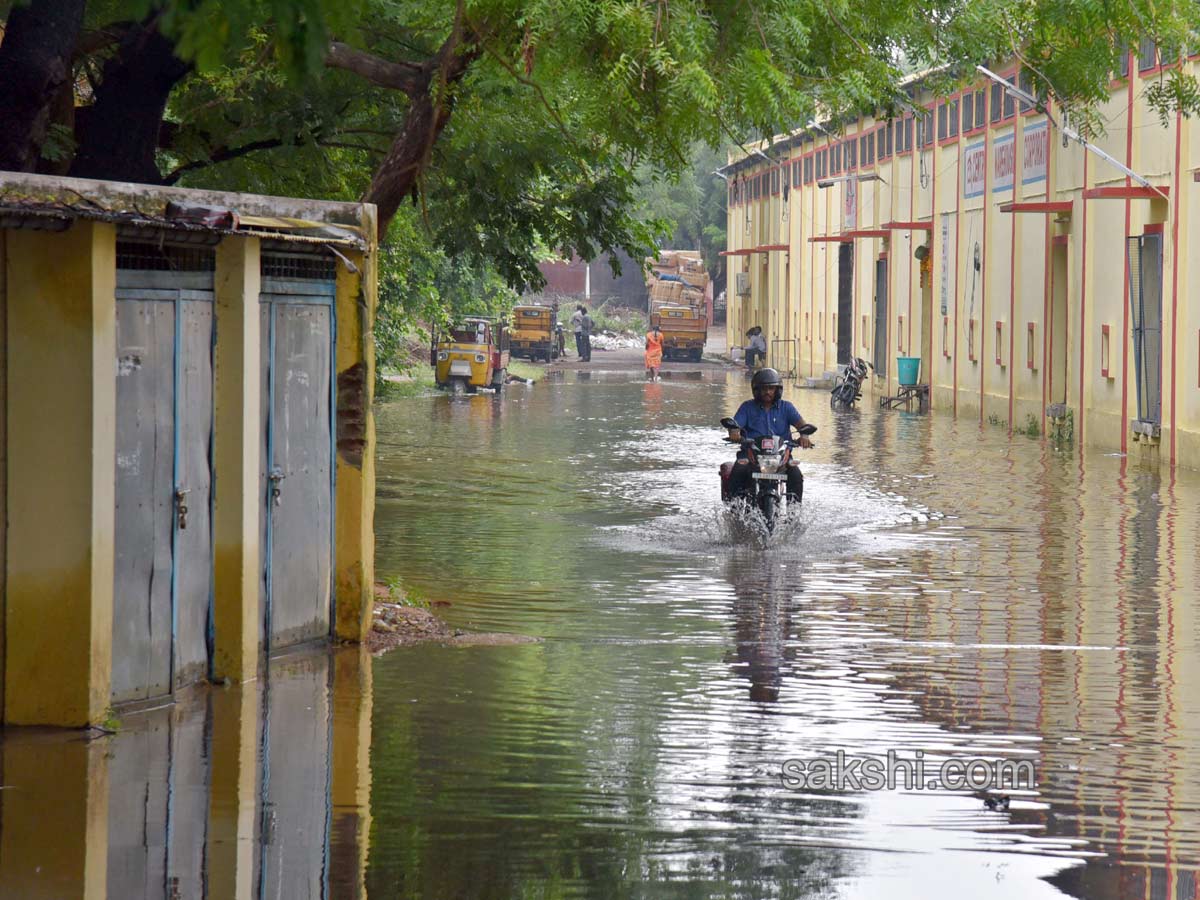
x=765, y=378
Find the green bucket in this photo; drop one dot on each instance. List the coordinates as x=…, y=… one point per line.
x=909, y=369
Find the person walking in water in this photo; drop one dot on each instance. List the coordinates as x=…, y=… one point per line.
x=654, y=353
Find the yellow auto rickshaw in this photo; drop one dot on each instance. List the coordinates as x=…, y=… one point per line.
x=536, y=332
x=470, y=355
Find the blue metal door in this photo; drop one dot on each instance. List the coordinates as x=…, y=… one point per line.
x=163, y=543
x=297, y=450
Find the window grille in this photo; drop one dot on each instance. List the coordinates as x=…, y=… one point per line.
x=165, y=257
x=299, y=265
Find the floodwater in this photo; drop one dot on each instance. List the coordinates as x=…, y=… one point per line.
x=947, y=590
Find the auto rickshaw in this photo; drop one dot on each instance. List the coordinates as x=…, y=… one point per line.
x=471, y=354
x=536, y=332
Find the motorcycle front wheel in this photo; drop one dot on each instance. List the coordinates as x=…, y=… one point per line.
x=768, y=506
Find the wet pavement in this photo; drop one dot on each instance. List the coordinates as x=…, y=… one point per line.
x=947, y=590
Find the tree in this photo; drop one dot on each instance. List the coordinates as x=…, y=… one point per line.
x=376, y=98
x=692, y=205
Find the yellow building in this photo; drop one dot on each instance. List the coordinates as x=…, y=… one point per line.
x=1054, y=286
x=187, y=435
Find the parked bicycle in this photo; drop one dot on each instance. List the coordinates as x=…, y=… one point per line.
x=848, y=388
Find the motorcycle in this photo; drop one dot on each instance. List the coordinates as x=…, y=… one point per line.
x=768, y=458
x=848, y=388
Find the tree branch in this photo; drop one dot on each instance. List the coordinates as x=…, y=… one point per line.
x=94, y=41
x=407, y=77
x=224, y=154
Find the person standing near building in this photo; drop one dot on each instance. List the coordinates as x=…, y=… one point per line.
x=587, y=335
x=577, y=327
x=756, y=349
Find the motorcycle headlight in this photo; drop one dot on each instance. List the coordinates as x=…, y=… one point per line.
x=479, y=357
x=443, y=355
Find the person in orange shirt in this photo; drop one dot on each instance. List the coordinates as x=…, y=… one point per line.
x=654, y=352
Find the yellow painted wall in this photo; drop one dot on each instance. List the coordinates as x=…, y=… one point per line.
x=1012, y=286
x=237, y=423
x=355, y=526
x=62, y=341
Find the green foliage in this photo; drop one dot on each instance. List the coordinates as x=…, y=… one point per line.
x=410, y=597
x=1032, y=427
x=1062, y=430
x=688, y=208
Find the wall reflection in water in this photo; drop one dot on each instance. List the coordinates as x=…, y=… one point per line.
x=253, y=792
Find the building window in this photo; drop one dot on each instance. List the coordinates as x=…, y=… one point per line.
x=1025, y=82
x=943, y=125
x=852, y=150
x=1010, y=105
x=870, y=150
x=1123, y=62
x=908, y=133
x=891, y=137
x=808, y=170
x=980, y=107
x=997, y=99
x=968, y=112
x=862, y=147
x=1147, y=54
x=880, y=143
x=954, y=117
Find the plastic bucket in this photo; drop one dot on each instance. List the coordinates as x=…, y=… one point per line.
x=908, y=369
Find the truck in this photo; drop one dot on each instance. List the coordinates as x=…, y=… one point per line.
x=678, y=302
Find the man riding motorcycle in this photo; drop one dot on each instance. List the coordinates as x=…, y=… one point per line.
x=767, y=414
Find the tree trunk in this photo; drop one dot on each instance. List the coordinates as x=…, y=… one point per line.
x=118, y=134
x=430, y=105
x=35, y=65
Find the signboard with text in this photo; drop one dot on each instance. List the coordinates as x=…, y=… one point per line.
x=974, y=169
x=1035, y=153
x=1004, y=163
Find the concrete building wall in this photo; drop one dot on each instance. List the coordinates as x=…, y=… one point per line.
x=58, y=357
x=1044, y=318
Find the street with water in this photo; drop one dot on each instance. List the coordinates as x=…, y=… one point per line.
x=948, y=590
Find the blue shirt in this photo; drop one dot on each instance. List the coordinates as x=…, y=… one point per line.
x=756, y=421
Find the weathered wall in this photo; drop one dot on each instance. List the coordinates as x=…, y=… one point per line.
x=57, y=347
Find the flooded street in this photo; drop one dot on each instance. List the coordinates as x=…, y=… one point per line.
x=947, y=591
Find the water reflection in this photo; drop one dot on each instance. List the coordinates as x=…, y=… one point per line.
x=952, y=589
x=228, y=793
x=765, y=591
x=948, y=589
